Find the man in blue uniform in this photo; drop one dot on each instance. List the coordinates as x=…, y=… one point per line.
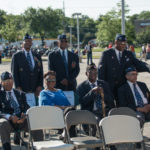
x=27, y=69
x=65, y=64
x=135, y=95
x=13, y=107
x=113, y=63
x=90, y=94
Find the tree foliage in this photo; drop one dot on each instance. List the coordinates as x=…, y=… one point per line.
x=110, y=24
x=87, y=28
x=48, y=23
x=143, y=36
x=11, y=30
x=108, y=27
x=144, y=15
x=45, y=22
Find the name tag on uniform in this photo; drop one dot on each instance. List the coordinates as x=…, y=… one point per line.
x=30, y=99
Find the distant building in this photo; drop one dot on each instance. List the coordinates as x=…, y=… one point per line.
x=38, y=43
x=48, y=42
x=141, y=25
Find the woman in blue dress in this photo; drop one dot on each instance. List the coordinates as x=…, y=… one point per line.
x=55, y=97
x=50, y=95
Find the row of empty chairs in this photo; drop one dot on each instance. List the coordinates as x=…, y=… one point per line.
x=111, y=130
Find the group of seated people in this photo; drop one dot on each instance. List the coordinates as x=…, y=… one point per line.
x=91, y=93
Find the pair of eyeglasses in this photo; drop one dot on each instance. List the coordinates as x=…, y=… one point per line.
x=122, y=43
x=6, y=81
x=64, y=41
x=51, y=80
x=134, y=74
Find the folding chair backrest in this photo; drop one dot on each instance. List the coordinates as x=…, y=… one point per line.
x=45, y=117
x=121, y=129
x=122, y=111
x=79, y=117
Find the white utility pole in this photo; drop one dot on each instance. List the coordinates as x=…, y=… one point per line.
x=64, y=16
x=123, y=17
x=78, y=34
x=70, y=37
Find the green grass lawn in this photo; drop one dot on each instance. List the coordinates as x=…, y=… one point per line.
x=94, y=57
x=138, y=49
x=6, y=59
x=95, y=49
x=98, y=49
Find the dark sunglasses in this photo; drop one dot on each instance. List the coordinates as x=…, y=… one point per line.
x=51, y=80
x=134, y=74
x=64, y=41
x=122, y=43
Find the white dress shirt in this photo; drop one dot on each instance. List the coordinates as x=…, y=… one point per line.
x=117, y=53
x=7, y=97
x=66, y=54
x=31, y=56
x=140, y=92
x=94, y=105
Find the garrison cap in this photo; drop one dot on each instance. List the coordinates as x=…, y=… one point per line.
x=27, y=36
x=120, y=37
x=62, y=36
x=130, y=69
x=5, y=76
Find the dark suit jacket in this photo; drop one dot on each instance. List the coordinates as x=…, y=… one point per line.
x=126, y=98
x=112, y=72
x=86, y=97
x=56, y=63
x=23, y=77
x=5, y=107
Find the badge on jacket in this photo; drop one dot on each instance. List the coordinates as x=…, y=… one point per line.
x=3, y=105
x=127, y=59
x=20, y=69
x=73, y=65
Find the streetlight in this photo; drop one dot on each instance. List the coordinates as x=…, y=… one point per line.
x=123, y=18
x=64, y=16
x=70, y=37
x=78, y=34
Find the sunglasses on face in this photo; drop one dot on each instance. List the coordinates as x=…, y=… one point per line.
x=51, y=80
x=6, y=81
x=64, y=41
x=133, y=74
x=122, y=43
x=92, y=73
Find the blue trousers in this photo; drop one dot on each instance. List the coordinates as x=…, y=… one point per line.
x=89, y=58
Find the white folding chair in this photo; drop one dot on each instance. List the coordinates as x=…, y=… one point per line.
x=119, y=129
x=129, y=112
x=46, y=117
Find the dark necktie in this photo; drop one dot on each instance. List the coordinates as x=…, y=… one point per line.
x=97, y=100
x=29, y=61
x=138, y=97
x=65, y=62
x=13, y=103
x=98, y=103
x=120, y=55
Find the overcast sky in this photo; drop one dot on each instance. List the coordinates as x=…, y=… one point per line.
x=92, y=8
